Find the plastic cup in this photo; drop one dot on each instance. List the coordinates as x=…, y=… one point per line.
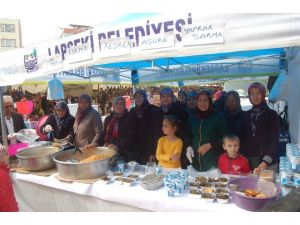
x=158, y=170
x=120, y=166
x=171, y=189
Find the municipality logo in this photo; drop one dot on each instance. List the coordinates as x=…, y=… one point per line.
x=31, y=62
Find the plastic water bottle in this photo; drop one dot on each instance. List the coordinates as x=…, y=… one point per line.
x=285, y=171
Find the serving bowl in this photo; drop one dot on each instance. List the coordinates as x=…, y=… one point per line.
x=69, y=166
x=252, y=203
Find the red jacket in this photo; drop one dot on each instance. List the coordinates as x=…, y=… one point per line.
x=8, y=201
x=236, y=166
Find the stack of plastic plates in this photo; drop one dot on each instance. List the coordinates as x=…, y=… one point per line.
x=152, y=182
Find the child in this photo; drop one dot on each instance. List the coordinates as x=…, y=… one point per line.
x=231, y=162
x=169, y=147
x=7, y=198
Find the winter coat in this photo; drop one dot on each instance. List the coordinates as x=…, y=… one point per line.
x=62, y=130
x=235, y=122
x=89, y=130
x=264, y=142
x=207, y=130
x=126, y=138
x=147, y=133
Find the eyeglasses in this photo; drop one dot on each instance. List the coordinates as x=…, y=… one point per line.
x=9, y=106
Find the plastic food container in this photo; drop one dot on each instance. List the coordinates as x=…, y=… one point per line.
x=128, y=182
x=105, y=179
x=222, y=190
x=195, y=194
x=119, y=180
x=133, y=177
x=208, y=189
x=222, y=198
x=220, y=185
x=193, y=186
x=208, y=197
x=222, y=180
x=201, y=179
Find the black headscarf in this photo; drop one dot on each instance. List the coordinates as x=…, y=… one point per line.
x=64, y=121
x=204, y=114
x=167, y=91
x=140, y=109
x=182, y=92
x=238, y=100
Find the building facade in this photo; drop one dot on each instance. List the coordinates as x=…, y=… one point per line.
x=10, y=34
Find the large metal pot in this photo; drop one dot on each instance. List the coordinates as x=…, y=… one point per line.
x=37, y=157
x=69, y=166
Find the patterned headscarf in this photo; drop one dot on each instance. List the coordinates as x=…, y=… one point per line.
x=257, y=110
x=260, y=86
x=140, y=109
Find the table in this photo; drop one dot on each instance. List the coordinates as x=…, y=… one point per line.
x=36, y=193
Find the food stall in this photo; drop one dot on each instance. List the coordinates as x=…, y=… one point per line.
x=187, y=39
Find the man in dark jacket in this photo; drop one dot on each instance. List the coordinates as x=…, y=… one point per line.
x=14, y=121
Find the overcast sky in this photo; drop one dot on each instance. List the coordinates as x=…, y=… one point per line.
x=41, y=19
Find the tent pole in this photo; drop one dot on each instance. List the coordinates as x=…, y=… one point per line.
x=3, y=127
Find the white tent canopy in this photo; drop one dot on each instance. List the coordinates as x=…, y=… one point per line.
x=162, y=36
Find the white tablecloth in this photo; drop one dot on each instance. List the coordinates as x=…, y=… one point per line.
x=36, y=193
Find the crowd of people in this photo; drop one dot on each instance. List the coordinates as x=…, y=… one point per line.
x=191, y=128
x=103, y=97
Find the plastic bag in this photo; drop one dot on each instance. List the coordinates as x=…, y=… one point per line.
x=26, y=136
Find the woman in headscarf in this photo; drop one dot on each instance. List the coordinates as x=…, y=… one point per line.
x=182, y=97
x=88, y=126
x=233, y=113
x=261, y=131
x=119, y=130
x=191, y=103
x=168, y=106
x=205, y=132
x=59, y=125
x=219, y=104
x=148, y=127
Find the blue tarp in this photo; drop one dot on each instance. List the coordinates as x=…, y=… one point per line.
x=263, y=62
